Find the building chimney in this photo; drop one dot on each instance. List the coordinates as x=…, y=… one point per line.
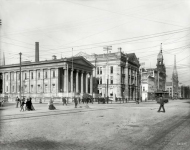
x=119, y=49
x=54, y=57
x=37, y=52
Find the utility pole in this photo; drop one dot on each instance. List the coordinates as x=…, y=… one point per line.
x=72, y=76
x=20, y=75
x=0, y=49
x=107, y=48
x=95, y=85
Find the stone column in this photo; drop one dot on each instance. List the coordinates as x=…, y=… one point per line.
x=10, y=83
x=77, y=81
x=72, y=81
x=3, y=86
x=86, y=82
x=65, y=80
x=129, y=90
x=57, y=78
x=42, y=72
x=91, y=84
x=36, y=80
x=49, y=79
x=82, y=83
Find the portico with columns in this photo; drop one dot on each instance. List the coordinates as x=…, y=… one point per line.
x=44, y=79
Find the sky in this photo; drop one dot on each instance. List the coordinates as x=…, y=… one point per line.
x=137, y=26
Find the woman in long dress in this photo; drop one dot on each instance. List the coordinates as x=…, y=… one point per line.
x=32, y=107
x=50, y=104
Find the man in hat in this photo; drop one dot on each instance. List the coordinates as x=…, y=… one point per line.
x=161, y=104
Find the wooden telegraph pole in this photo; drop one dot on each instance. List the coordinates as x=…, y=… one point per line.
x=107, y=48
x=20, y=76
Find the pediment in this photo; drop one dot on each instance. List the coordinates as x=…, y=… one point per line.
x=82, y=61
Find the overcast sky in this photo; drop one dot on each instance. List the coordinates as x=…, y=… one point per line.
x=137, y=26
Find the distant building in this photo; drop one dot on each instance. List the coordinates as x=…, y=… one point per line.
x=172, y=87
x=148, y=84
x=169, y=88
x=153, y=79
x=122, y=72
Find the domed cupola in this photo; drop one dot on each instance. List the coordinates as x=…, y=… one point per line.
x=160, y=57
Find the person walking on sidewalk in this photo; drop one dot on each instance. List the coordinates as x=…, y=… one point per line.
x=75, y=101
x=161, y=104
x=22, y=105
x=17, y=101
x=64, y=101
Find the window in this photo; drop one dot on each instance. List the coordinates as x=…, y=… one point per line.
x=25, y=88
x=18, y=88
x=100, y=92
x=111, y=80
x=100, y=80
x=25, y=76
x=53, y=87
x=38, y=87
x=46, y=88
x=32, y=75
x=7, y=88
x=111, y=92
x=100, y=70
x=53, y=73
x=38, y=75
x=143, y=88
x=13, y=89
x=13, y=76
x=111, y=69
x=7, y=77
x=46, y=74
x=32, y=88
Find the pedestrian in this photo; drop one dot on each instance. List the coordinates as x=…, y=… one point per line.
x=161, y=104
x=22, y=105
x=75, y=101
x=137, y=101
x=50, y=104
x=17, y=101
x=32, y=107
x=64, y=101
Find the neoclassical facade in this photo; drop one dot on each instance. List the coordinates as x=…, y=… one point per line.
x=120, y=70
x=45, y=79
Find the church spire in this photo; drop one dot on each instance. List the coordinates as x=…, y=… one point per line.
x=161, y=47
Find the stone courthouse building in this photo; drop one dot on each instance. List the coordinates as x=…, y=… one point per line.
x=120, y=69
x=45, y=79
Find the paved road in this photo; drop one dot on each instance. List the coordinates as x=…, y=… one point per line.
x=109, y=126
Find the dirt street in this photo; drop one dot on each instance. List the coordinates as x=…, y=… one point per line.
x=127, y=126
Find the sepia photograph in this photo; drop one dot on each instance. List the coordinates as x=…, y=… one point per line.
x=94, y=74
